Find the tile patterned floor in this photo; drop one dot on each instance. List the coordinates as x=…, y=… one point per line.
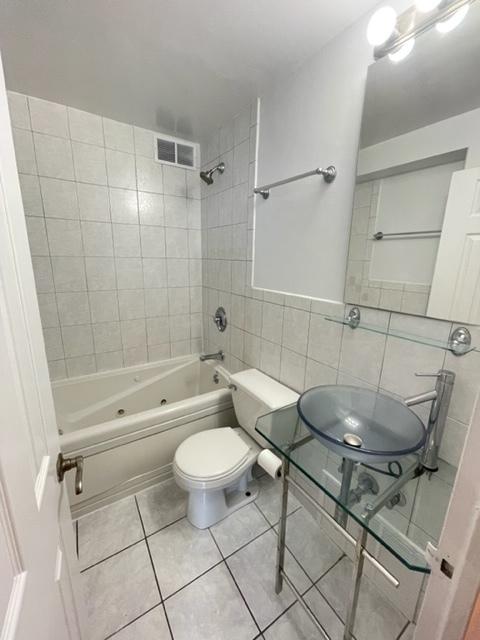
x=149, y=575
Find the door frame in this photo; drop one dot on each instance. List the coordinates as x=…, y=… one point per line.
x=449, y=602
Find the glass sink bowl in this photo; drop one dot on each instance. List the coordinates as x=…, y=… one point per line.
x=359, y=424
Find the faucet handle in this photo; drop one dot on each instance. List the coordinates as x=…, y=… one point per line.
x=428, y=375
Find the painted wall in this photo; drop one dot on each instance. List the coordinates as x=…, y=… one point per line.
x=114, y=236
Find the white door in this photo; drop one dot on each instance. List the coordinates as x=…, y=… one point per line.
x=39, y=595
x=455, y=290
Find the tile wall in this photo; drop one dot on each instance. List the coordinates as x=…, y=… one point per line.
x=115, y=239
x=288, y=337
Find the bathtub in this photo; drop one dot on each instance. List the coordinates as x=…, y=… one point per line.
x=128, y=423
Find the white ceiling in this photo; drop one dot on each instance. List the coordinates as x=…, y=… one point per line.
x=182, y=66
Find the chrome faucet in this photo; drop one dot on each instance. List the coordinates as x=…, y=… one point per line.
x=212, y=356
x=440, y=398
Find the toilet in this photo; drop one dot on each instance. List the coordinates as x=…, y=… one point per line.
x=215, y=466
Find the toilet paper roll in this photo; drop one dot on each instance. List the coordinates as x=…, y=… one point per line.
x=269, y=461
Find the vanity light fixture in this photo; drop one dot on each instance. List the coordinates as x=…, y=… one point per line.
x=394, y=35
x=381, y=26
x=402, y=52
x=444, y=26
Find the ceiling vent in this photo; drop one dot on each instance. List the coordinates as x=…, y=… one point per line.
x=177, y=152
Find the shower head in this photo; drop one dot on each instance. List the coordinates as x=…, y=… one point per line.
x=206, y=176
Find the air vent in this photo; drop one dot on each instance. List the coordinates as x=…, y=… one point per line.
x=177, y=152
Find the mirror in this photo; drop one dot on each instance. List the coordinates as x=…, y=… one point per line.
x=415, y=232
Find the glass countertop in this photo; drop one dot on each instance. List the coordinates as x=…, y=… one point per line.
x=289, y=437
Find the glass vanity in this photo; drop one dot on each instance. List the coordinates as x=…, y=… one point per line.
x=359, y=513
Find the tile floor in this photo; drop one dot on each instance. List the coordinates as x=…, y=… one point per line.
x=149, y=575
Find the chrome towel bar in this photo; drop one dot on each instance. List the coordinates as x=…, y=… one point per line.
x=329, y=174
x=432, y=234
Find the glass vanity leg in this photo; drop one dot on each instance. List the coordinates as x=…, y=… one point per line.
x=282, y=529
x=355, y=588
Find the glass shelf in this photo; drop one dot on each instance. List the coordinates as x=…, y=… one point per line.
x=388, y=331
x=284, y=430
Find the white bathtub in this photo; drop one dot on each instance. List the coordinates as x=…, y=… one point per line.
x=128, y=423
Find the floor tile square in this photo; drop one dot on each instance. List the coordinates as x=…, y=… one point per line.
x=295, y=624
x=210, y=608
x=239, y=528
x=253, y=568
x=180, y=554
x=327, y=617
x=377, y=618
x=108, y=530
x=119, y=590
x=161, y=505
x=320, y=553
x=151, y=626
x=270, y=499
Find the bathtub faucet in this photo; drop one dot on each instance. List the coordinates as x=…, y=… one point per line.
x=212, y=356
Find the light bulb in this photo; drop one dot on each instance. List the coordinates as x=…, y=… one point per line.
x=381, y=26
x=444, y=26
x=426, y=5
x=402, y=52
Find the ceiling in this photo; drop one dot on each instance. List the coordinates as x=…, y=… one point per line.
x=181, y=66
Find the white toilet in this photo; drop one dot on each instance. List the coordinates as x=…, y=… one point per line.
x=215, y=466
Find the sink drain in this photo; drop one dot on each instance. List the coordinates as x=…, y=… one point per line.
x=353, y=440
x=162, y=402
x=121, y=412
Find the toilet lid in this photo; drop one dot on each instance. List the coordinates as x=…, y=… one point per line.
x=211, y=454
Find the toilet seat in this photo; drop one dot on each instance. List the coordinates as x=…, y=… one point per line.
x=213, y=458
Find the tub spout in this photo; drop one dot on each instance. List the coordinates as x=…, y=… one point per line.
x=212, y=356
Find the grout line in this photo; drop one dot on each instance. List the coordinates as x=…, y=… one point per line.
x=112, y=555
x=112, y=635
x=236, y=583
x=403, y=630
x=170, y=524
x=153, y=568
x=200, y=575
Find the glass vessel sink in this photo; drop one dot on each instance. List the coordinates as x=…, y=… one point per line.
x=359, y=424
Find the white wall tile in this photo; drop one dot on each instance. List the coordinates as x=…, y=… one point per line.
x=153, y=242
x=69, y=273
x=64, y=237
x=42, y=270
x=80, y=366
x=47, y=304
x=53, y=343
x=54, y=156
x=48, y=117
x=176, y=243
x=176, y=211
x=133, y=333
x=131, y=304
x=77, y=340
x=24, y=151
x=156, y=302
x=295, y=330
x=154, y=272
x=151, y=208
x=144, y=142
x=100, y=274
x=158, y=331
x=89, y=161
x=18, y=108
x=178, y=273
x=37, y=236
x=73, y=308
x=85, y=126
x=129, y=273
x=149, y=175
x=93, y=202
x=126, y=240
x=31, y=196
x=174, y=181
x=121, y=169
x=324, y=340
x=124, y=206
x=97, y=239
x=178, y=300
x=109, y=361
x=107, y=337
x=103, y=306
x=59, y=198
x=118, y=136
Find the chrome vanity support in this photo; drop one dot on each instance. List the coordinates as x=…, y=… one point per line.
x=341, y=515
x=282, y=529
x=356, y=582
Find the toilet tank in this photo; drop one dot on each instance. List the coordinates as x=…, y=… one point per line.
x=256, y=394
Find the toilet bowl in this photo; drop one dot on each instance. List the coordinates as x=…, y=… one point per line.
x=215, y=466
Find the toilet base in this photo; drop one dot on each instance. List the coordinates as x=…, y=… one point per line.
x=206, y=508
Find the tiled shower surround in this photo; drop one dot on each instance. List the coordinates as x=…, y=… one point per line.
x=289, y=338
x=114, y=236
